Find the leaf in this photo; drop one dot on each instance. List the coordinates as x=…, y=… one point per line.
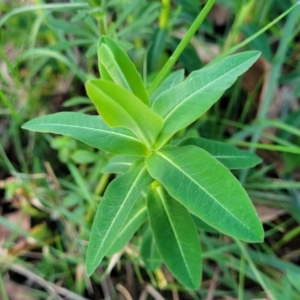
x=294, y=278
x=77, y=101
x=149, y=252
x=158, y=42
x=90, y=130
x=173, y=79
x=186, y=102
x=119, y=164
x=207, y=189
x=202, y=225
x=230, y=156
x=120, y=108
x=116, y=66
x=113, y=210
x=85, y=157
x=176, y=237
x=138, y=215
x=64, y=26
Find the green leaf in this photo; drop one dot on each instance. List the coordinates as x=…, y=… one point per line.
x=149, y=252
x=120, y=108
x=207, y=189
x=173, y=79
x=202, y=225
x=116, y=66
x=77, y=101
x=119, y=164
x=186, y=102
x=90, y=130
x=176, y=237
x=106, y=59
x=113, y=210
x=136, y=218
x=158, y=42
x=85, y=157
x=230, y=156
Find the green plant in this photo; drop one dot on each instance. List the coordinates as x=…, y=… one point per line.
x=185, y=181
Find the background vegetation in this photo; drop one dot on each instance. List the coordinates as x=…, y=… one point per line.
x=49, y=184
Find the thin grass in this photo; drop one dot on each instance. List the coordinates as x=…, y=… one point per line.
x=49, y=51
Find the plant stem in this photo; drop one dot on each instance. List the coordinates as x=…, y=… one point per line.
x=6, y=161
x=241, y=286
x=257, y=274
x=102, y=184
x=240, y=19
x=174, y=57
x=7, y=103
x=102, y=25
x=164, y=14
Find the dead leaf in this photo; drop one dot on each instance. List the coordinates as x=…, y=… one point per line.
x=219, y=15
x=268, y=213
x=19, y=218
x=254, y=74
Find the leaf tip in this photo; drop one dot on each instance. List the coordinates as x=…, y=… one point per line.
x=24, y=126
x=257, y=236
x=261, y=236
x=27, y=125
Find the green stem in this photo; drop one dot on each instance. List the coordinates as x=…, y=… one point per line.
x=102, y=25
x=102, y=184
x=255, y=271
x=174, y=57
x=240, y=19
x=100, y=16
x=18, y=149
x=164, y=14
x=6, y=161
x=241, y=287
x=9, y=105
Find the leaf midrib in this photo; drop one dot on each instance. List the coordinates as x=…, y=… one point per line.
x=138, y=213
x=90, y=129
x=177, y=167
x=120, y=209
x=174, y=231
x=232, y=156
x=116, y=66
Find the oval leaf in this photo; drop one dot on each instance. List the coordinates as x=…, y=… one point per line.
x=186, y=102
x=230, y=156
x=207, y=189
x=120, y=108
x=90, y=130
x=113, y=210
x=176, y=237
x=115, y=65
